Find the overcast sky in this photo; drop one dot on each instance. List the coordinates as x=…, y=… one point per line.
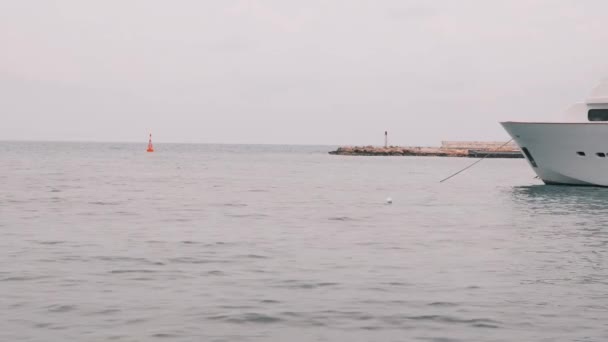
x=293, y=72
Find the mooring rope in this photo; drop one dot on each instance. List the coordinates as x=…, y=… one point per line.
x=477, y=162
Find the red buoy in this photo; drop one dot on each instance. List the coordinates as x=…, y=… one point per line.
x=150, y=147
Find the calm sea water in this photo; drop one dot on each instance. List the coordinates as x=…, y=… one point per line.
x=104, y=242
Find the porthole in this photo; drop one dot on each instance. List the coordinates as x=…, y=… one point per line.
x=601, y=154
x=581, y=153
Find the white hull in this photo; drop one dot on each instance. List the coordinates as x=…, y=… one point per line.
x=554, y=150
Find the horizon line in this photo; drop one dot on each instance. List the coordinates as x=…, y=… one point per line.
x=155, y=142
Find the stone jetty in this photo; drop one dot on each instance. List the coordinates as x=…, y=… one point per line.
x=447, y=149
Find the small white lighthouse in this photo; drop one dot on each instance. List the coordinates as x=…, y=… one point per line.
x=385, y=139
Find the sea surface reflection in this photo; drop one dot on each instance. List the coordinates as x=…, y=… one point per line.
x=104, y=242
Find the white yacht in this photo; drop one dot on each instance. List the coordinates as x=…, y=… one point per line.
x=573, y=151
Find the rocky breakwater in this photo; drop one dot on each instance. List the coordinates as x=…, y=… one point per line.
x=475, y=152
x=398, y=151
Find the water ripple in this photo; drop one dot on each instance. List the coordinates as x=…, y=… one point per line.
x=254, y=318
x=132, y=271
x=23, y=278
x=61, y=308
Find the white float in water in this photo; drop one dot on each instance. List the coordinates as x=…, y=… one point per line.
x=389, y=200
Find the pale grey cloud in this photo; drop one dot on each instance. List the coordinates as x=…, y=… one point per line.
x=329, y=72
